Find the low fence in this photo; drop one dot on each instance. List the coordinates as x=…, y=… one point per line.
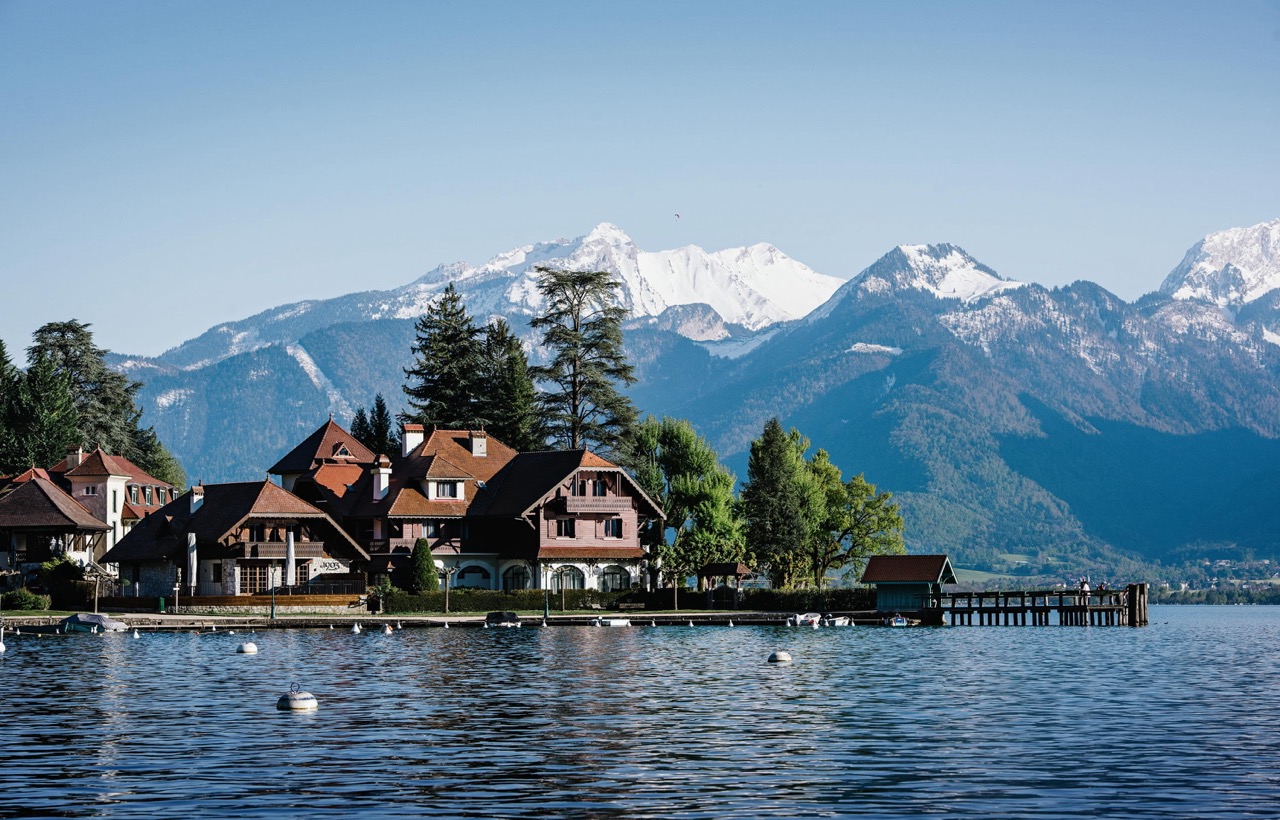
x=240, y=604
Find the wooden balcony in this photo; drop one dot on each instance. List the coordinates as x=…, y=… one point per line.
x=597, y=503
x=393, y=545
x=276, y=549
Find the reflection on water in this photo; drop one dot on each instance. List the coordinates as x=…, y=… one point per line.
x=1174, y=720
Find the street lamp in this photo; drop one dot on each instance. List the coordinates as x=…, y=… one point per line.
x=448, y=582
x=177, y=585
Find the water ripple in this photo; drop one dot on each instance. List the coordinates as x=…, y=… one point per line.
x=1173, y=720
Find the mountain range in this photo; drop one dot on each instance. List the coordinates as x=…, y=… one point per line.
x=1024, y=429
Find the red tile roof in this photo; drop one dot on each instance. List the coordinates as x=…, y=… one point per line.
x=336, y=478
x=933, y=569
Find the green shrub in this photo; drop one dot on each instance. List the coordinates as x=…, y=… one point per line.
x=24, y=599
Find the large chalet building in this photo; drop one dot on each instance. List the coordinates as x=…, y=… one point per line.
x=494, y=518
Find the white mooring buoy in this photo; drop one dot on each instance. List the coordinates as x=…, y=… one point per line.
x=780, y=657
x=135, y=634
x=355, y=629
x=691, y=623
x=387, y=630
x=297, y=700
x=247, y=648
x=730, y=622
x=446, y=624
x=544, y=621
x=1, y=639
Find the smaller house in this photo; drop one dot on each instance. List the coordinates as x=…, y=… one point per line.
x=904, y=582
x=234, y=539
x=39, y=522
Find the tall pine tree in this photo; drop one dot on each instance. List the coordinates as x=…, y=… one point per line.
x=583, y=405
x=43, y=420
x=508, y=404
x=781, y=502
x=444, y=383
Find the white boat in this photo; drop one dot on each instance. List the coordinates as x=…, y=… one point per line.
x=613, y=622
x=896, y=620
x=805, y=619
x=92, y=623
x=837, y=620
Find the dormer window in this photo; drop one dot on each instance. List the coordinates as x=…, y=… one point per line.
x=342, y=452
x=161, y=498
x=446, y=489
x=146, y=495
x=90, y=489
x=133, y=493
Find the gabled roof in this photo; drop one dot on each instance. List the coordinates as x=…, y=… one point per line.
x=95, y=464
x=324, y=446
x=932, y=569
x=531, y=477
x=100, y=463
x=39, y=503
x=454, y=448
x=224, y=509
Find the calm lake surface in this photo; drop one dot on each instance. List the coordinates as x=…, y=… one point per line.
x=1178, y=719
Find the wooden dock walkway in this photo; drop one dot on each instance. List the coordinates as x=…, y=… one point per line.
x=1101, y=607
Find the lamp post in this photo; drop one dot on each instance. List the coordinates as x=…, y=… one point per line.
x=448, y=582
x=546, y=595
x=177, y=585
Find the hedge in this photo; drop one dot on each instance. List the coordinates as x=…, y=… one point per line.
x=24, y=599
x=489, y=600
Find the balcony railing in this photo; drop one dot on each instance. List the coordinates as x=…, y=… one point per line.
x=597, y=503
x=392, y=544
x=277, y=549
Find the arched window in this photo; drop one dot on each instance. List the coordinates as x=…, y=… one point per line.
x=567, y=578
x=472, y=577
x=516, y=577
x=615, y=579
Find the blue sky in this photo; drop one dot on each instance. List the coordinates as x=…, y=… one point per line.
x=168, y=166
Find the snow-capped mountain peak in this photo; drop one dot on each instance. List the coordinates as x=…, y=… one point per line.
x=1229, y=268
x=949, y=273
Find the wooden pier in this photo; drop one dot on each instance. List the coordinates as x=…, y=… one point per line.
x=1072, y=607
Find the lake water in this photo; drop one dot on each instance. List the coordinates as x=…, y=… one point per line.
x=1178, y=719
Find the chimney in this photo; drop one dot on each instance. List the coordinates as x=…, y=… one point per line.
x=411, y=436
x=75, y=456
x=479, y=444
x=197, y=497
x=381, y=472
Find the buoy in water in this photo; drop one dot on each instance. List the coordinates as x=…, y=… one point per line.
x=135, y=634
x=399, y=625
x=446, y=624
x=1, y=639
x=730, y=622
x=355, y=629
x=247, y=648
x=544, y=621
x=297, y=700
x=780, y=657
x=691, y=623
x=331, y=626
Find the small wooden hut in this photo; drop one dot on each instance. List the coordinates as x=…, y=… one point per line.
x=904, y=582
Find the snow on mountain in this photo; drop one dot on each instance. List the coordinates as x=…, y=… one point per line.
x=755, y=287
x=752, y=287
x=1229, y=268
x=944, y=271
